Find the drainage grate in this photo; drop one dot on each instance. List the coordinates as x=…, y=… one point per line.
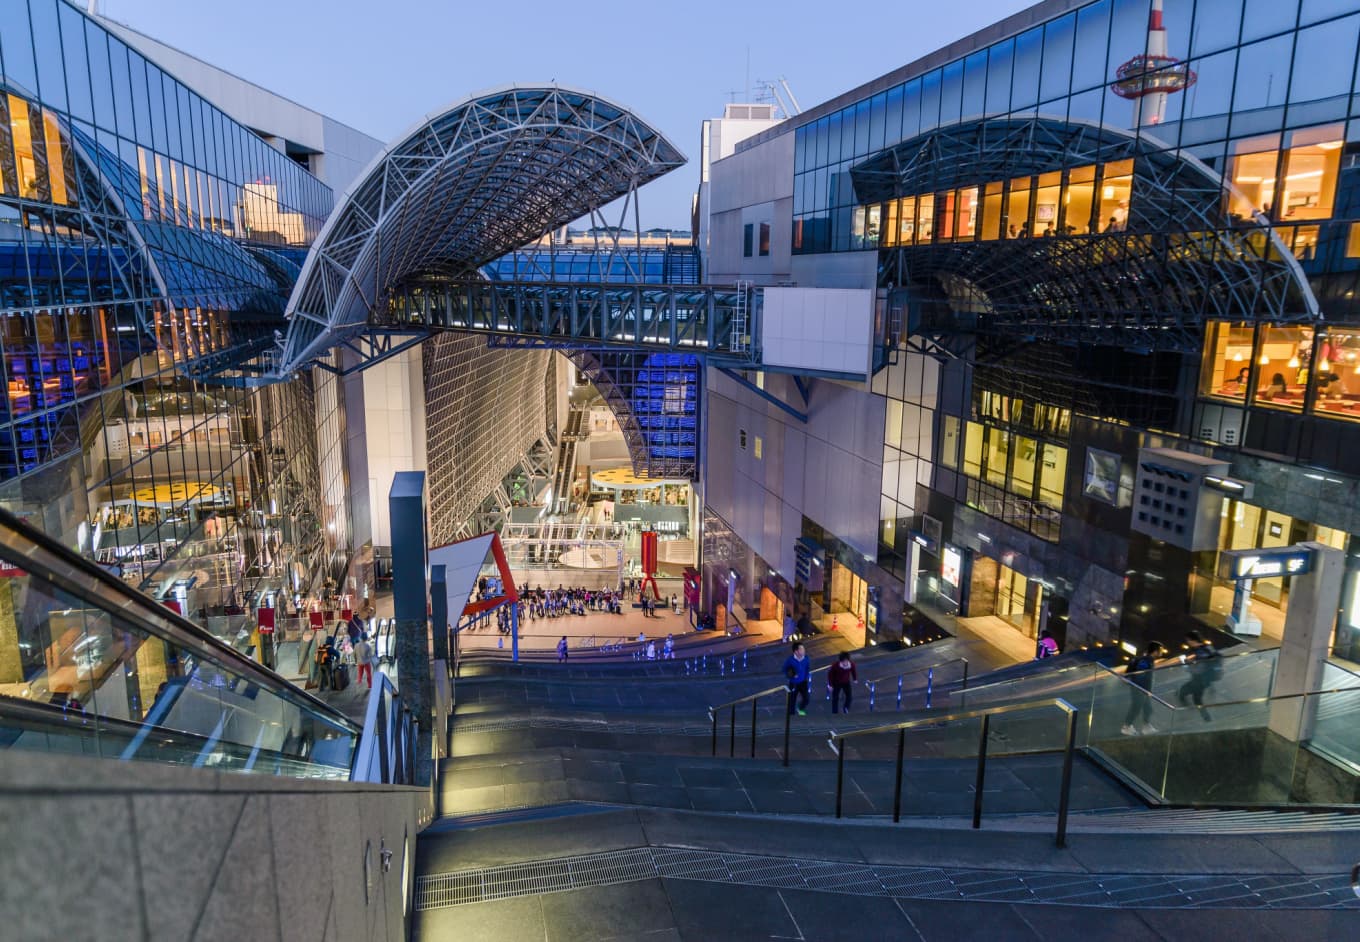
x=1075, y=889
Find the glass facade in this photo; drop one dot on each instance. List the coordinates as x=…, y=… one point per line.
x=148, y=244
x=1268, y=107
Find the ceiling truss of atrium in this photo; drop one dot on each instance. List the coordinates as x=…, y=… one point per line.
x=464, y=187
x=1178, y=260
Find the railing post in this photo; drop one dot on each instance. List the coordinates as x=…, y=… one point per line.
x=930, y=685
x=1066, y=792
x=732, y=731
x=873, y=688
x=788, y=717
x=981, y=771
x=965, y=672
x=897, y=791
x=743, y=660
x=840, y=775
x=714, y=717
x=753, y=726
x=899, y=691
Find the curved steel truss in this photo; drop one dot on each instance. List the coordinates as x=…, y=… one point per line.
x=462, y=188
x=655, y=398
x=1179, y=260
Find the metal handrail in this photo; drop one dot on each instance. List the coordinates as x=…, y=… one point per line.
x=836, y=742
x=35, y=552
x=754, y=700
x=929, y=670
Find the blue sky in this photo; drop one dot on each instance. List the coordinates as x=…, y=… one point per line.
x=381, y=64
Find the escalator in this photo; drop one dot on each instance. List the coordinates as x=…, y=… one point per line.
x=90, y=666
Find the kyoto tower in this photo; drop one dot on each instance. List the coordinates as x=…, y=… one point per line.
x=1147, y=79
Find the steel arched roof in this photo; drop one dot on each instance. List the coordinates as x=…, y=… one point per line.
x=463, y=187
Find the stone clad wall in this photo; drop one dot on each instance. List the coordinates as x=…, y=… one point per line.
x=96, y=848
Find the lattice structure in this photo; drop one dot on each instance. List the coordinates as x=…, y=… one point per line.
x=655, y=398
x=485, y=410
x=476, y=181
x=1178, y=260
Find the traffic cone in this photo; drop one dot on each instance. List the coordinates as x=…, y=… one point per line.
x=834, y=626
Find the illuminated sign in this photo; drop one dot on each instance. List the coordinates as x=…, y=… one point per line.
x=951, y=567
x=1266, y=563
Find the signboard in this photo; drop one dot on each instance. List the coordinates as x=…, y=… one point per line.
x=1265, y=563
x=265, y=619
x=951, y=566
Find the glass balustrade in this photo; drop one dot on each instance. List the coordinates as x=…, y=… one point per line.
x=89, y=666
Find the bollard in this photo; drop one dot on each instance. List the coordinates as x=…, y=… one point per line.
x=930, y=684
x=722, y=667
x=705, y=663
x=734, y=664
x=899, y=691
x=743, y=660
x=873, y=688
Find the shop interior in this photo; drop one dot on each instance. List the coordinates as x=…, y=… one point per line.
x=1279, y=367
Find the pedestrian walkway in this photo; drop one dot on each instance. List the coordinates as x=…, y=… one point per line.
x=601, y=800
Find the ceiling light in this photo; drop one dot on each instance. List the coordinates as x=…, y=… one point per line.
x=1265, y=360
x=1294, y=362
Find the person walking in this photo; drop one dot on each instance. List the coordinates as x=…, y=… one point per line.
x=1047, y=646
x=1139, y=673
x=562, y=650
x=797, y=673
x=1206, y=666
x=841, y=678
x=363, y=659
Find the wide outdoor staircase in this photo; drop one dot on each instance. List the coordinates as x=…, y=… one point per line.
x=617, y=798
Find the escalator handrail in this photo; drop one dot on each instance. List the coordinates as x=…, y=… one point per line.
x=35, y=552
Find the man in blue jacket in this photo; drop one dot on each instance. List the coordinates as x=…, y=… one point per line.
x=797, y=671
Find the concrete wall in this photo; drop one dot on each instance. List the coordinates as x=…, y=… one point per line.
x=99, y=849
x=394, y=417
x=828, y=469
x=752, y=187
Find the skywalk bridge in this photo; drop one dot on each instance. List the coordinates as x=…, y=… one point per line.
x=718, y=322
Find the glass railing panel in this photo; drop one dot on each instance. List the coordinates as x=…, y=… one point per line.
x=1223, y=679
x=1063, y=682
x=1225, y=754
x=1128, y=725
x=1330, y=721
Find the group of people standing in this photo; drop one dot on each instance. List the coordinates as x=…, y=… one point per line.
x=333, y=654
x=553, y=603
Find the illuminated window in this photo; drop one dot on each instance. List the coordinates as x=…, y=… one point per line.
x=1022, y=475
x=1116, y=188
x=890, y=230
x=56, y=162
x=1252, y=171
x=1283, y=365
x=1053, y=475
x=22, y=135
x=972, y=450
x=906, y=221
x=1079, y=200
x=764, y=244
x=926, y=219
x=1311, y=165
x=1338, y=383
x=1226, y=367
x=1017, y=209
x=997, y=454
x=1047, y=197
x=965, y=214
x=991, y=211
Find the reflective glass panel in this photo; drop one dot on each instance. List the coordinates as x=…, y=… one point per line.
x=1227, y=364
x=1285, y=360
